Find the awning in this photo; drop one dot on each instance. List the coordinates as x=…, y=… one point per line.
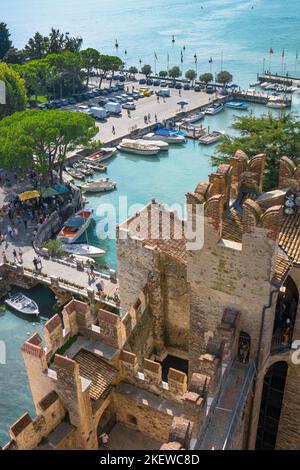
x=48, y=192
x=29, y=195
x=60, y=188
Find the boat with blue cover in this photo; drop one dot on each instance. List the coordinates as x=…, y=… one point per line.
x=239, y=105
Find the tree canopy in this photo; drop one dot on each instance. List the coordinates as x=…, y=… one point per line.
x=206, y=77
x=274, y=136
x=15, y=91
x=146, y=70
x=56, y=42
x=224, y=77
x=40, y=139
x=191, y=75
x=163, y=74
x=175, y=72
x=90, y=60
x=5, y=42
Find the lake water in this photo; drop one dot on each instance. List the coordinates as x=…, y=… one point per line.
x=243, y=33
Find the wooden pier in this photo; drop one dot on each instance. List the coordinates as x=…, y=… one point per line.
x=280, y=79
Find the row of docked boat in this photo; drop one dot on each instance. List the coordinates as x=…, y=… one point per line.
x=88, y=165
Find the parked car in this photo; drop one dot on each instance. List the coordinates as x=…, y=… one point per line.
x=122, y=78
x=197, y=88
x=113, y=108
x=130, y=106
x=171, y=84
x=164, y=93
x=210, y=89
x=136, y=95
x=163, y=84
x=142, y=81
x=149, y=81
x=156, y=82
x=72, y=101
x=186, y=86
x=114, y=88
x=103, y=102
x=98, y=113
x=104, y=92
x=120, y=86
x=178, y=86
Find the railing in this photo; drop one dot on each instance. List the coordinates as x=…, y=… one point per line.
x=240, y=404
x=278, y=344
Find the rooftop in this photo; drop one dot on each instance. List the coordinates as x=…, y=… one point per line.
x=97, y=371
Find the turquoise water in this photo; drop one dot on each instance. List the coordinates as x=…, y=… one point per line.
x=243, y=33
x=15, y=397
x=232, y=26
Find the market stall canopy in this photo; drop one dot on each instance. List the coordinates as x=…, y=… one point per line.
x=60, y=188
x=29, y=195
x=48, y=192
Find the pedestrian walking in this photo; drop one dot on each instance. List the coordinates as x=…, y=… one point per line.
x=15, y=255
x=113, y=130
x=10, y=232
x=4, y=256
x=39, y=263
x=157, y=98
x=149, y=117
x=155, y=118
x=92, y=271
x=35, y=263
x=20, y=253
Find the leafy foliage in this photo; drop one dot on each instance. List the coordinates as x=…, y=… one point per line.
x=146, y=70
x=55, y=248
x=15, y=91
x=274, y=136
x=163, y=74
x=191, y=75
x=206, y=77
x=5, y=42
x=224, y=77
x=175, y=72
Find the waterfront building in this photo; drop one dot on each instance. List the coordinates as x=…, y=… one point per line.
x=202, y=354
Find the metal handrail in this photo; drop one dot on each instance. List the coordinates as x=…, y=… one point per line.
x=248, y=380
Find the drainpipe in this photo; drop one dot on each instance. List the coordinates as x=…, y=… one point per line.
x=266, y=307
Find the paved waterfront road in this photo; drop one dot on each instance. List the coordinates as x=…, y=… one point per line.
x=164, y=110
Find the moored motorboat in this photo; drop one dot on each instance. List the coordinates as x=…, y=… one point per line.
x=83, y=169
x=211, y=137
x=98, y=186
x=139, y=149
x=95, y=166
x=215, y=108
x=81, y=249
x=75, y=173
x=22, y=304
x=157, y=143
x=171, y=137
x=238, y=105
x=75, y=226
x=276, y=103
x=193, y=117
x=102, y=154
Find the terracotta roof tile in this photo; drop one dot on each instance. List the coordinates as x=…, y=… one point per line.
x=289, y=237
x=282, y=267
x=96, y=370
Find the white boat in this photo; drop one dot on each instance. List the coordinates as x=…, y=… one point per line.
x=102, y=154
x=98, y=186
x=193, y=117
x=75, y=226
x=22, y=304
x=211, y=137
x=82, y=249
x=215, y=108
x=169, y=138
x=157, y=143
x=75, y=173
x=276, y=103
x=139, y=149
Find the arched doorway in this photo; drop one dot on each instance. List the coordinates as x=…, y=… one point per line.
x=106, y=422
x=285, y=316
x=270, y=407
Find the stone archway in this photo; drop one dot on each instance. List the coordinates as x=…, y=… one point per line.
x=285, y=316
x=106, y=422
x=271, y=404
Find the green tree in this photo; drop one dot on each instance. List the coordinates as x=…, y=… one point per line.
x=206, y=77
x=175, y=72
x=191, y=75
x=109, y=63
x=90, y=60
x=146, y=70
x=14, y=56
x=15, y=91
x=224, y=77
x=163, y=74
x=37, y=47
x=42, y=139
x=274, y=136
x=35, y=73
x=5, y=42
x=133, y=70
x=65, y=72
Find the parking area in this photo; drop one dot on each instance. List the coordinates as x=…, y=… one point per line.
x=121, y=106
